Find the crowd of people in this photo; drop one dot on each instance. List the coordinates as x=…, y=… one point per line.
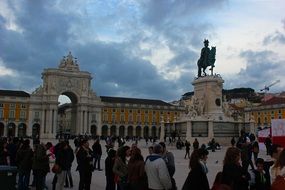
x=127, y=169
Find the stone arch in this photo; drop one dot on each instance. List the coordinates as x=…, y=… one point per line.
x=122, y=131
x=146, y=131
x=36, y=130
x=113, y=130
x=11, y=129
x=130, y=131
x=105, y=130
x=138, y=131
x=22, y=130
x=93, y=130
x=153, y=131
x=66, y=80
x=2, y=126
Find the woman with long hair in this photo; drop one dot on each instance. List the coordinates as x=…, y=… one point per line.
x=120, y=168
x=278, y=168
x=233, y=175
x=197, y=177
x=136, y=173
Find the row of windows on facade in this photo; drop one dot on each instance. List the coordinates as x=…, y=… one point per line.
x=138, y=111
x=130, y=118
x=12, y=114
x=272, y=112
x=13, y=105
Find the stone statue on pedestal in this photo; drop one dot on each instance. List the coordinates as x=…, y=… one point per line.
x=207, y=58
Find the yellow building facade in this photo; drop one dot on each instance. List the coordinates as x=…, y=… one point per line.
x=14, y=113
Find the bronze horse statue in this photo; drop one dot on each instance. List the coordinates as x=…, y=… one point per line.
x=208, y=58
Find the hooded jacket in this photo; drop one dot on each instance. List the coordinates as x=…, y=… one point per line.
x=157, y=173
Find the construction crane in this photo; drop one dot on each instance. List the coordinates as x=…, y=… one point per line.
x=266, y=88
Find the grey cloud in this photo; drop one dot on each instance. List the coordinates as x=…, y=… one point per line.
x=261, y=68
x=276, y=37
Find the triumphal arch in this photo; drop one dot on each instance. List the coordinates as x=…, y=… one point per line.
x=67, y=80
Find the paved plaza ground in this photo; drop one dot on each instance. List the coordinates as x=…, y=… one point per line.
x=215, y=160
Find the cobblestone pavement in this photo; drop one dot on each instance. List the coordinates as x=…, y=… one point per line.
x=214, y=163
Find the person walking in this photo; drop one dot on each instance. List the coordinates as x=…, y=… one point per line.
x=97, y=153
x=70, y=158
x=156, y=170
x=196, y=144
x=85, y=165
x=187, y=148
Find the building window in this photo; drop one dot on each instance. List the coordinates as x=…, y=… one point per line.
x=12, y=105
x=131, y=111
x=114, y=110
x=105, y=118
x=122, y=118
x=113, y=117
x=93, y=118
x=139, y=111
x=279, y=117
x=153, y=112
x=146, y=119
x=138, y=118
x=130, y=118
x=23, y=106
x=146, y=111
x=37, y=114
x=23, y=114
x=1, y=105
x=122, y=110
x=11, y=114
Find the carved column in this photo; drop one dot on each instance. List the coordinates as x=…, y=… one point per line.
x=99, y=124
x=210, y=129
x=162, y=131
x=16, y=130
x=189, y=131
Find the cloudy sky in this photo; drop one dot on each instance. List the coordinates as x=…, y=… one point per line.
x=143, y=48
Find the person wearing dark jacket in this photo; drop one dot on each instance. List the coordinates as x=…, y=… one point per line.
x=40, y=165
x=233, y=174
x=85, y=165
x=24, y=160
x=109, y=164
x=70, y=158
x=97, y=153
x=62, y=161
x=197, y=177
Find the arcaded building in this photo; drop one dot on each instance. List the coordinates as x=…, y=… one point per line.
x=39, y=114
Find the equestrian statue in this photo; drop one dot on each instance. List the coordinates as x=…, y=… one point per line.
x=207, y=58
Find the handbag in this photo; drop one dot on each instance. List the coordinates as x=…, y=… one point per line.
x=56, y=169
x=279, y=183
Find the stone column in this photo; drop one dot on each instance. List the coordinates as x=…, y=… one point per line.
x=141, y=135
x=6, y=129
x=162, y=131
x=189, y=131
x=117, y=130
x=134, y=131
x=99, y=123
x=43, y=124
x=252, y=126
x=210, y=129
x=85, y=122
x=16, y=130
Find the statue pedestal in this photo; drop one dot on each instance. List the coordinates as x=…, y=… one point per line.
x=208, y=92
